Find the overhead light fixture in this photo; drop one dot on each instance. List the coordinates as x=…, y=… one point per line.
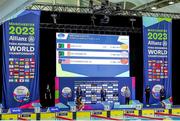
x=171, y=2
x=54, y=16
x=153, y=8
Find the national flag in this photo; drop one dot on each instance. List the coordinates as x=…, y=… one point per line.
x=32, y=70
x=165, y=70
x=158, y=65
x=21, y=59
x=21, y=77
x=11, y=69
x=16, y=73
x=16, y=69
x=27, y=63
x=26, y=73
x=26, y=80
x=31, y=59
x=32, y=62
x=68, y=53
x=10, y=80
x=16, y=77
x=11, y=62
x=15, y=80
x=21, y=66
x=149, y=76
x=149, y=61
x=149, y=70
x=21, y=73
x=27, y=77
x=61, y=53
x=158, y=70
x=61, y=46
x=16, y=66
x=11, y=66
x=65, y=61
x=26, y=66
x=16, y=62
x=157, y=79
x=11, y=73
x=68, y=45
x=149, y=79
x=21, y=80
x=150, y=64
x=11, y=59
x=32, y=66
x=31, y=77
x=22, y=70
x=21, y=62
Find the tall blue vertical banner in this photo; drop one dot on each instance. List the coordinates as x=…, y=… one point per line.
x=21, y=60
x=157, y=35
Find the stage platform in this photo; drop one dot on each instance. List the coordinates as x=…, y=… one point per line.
x=123, y=114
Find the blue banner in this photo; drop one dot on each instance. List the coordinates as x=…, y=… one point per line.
x=157, y=36
x=21, y=60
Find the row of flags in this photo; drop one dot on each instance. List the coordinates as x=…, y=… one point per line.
x=21, y=69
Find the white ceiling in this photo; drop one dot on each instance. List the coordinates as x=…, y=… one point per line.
x=2, y=2
x=11, y=8
x=136, y=2
x=175, y=8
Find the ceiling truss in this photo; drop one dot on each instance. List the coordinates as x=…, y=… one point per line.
x=109, y=10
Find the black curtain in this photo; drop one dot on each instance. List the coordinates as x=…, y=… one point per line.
x=48, y=45
x=175, y=61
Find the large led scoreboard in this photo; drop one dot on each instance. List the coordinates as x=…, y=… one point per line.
x=92, y=55
x=92, y=62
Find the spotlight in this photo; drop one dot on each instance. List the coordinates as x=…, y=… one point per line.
x=171, y=2
x=54, y=16
x=132, y=22
x=153, y=8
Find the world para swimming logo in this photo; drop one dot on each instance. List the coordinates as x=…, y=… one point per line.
x=61, y=36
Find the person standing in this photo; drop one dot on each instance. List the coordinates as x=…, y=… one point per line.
x=162, y=94
x=127, y=95
x=103, y=94
x=79, y=92
x=48, y=96
x=147, y=93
